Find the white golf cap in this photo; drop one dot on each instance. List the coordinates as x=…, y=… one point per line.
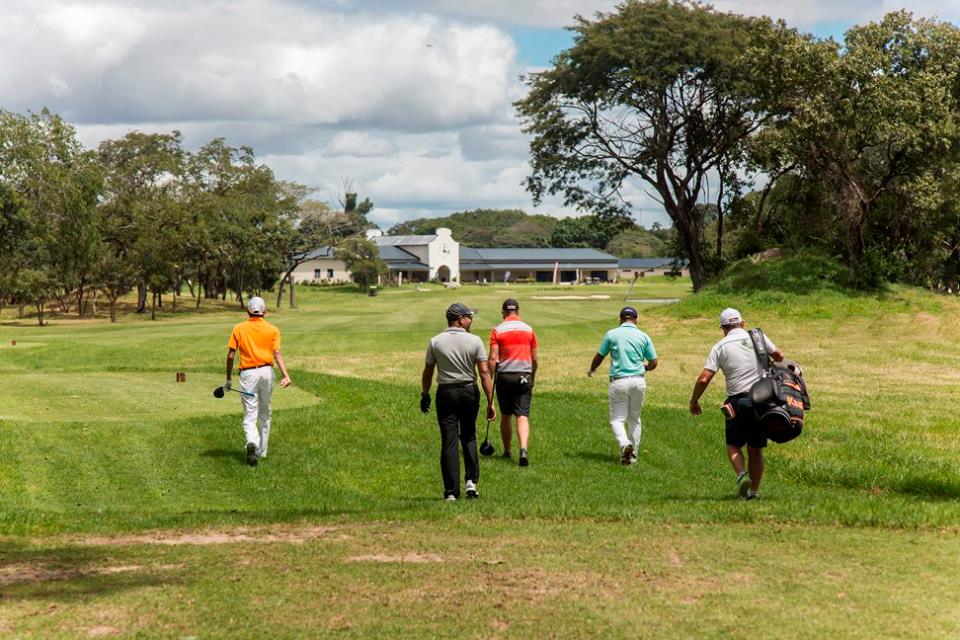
x=729, y=316
x=256, y=306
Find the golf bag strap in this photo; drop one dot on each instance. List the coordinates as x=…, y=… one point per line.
x=760, y=348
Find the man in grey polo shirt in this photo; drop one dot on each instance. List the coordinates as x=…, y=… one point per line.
x=632, y=354
x=735, y=356
x=456, y=354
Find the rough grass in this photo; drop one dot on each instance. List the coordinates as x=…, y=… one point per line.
x=128, y=510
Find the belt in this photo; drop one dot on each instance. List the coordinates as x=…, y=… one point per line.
x=454, y=385
x=636, y=375
x=259, y=366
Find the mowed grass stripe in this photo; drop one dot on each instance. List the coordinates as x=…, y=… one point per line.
x=372, y=455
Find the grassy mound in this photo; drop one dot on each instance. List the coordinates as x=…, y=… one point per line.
x=802, y=284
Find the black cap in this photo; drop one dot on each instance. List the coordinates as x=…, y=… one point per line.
x=457, y=310
x=628, y=312
x=510, y=304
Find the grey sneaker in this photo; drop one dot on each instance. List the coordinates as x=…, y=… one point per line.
x=251, y=454
x=472, y=490
x=626, y=454
x=450, y=498
x=743, y=485
x=524, y=458
x=752, y=495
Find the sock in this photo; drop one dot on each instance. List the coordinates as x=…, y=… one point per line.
x=753, y=493
x=741, y=475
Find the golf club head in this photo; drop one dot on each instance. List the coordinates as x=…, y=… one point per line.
x=218, y=392
x=486, y=448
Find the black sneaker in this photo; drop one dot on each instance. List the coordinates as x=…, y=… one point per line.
x=524, y=459
x=507, y=454
x=626, y=454
x=743, y=486
x=251, y=454
x=753, y=496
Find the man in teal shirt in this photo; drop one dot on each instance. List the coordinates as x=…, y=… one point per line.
x=631, y=355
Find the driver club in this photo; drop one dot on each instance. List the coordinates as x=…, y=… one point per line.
x=218, y=392
x=486, y=448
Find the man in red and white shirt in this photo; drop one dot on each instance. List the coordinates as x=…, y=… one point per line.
x=513, y=350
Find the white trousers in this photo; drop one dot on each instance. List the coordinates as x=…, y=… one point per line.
x=626, y=397
x=256, y=408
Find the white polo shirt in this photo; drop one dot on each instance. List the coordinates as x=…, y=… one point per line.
x=734, y=355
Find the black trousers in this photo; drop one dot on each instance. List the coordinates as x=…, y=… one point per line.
x=457, y=408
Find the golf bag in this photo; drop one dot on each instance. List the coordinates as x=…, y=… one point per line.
x=780, y=396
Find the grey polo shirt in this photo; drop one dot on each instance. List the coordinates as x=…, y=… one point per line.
x=455, y=353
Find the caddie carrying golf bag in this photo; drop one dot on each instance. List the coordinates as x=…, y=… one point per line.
x=780, y=395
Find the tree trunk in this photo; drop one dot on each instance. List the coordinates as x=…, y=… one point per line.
x=141, y=297
x=80, y=290
x=685, y=224
x=153, y=307
x=719, y=264
x=113, y=308
x=293, y=300
x=40, y=312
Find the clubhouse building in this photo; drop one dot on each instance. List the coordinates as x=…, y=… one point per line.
x=439, y=257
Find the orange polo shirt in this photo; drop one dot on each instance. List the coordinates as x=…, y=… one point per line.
x=256, y=340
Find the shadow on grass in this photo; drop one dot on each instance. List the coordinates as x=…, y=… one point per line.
x=605, y=459
x=73, y=573
x=236, y=454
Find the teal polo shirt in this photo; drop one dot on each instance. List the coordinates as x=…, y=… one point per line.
x=628, y=347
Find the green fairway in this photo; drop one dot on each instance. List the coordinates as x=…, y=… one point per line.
x=126, y=507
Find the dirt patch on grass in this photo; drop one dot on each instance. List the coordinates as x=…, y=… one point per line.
x=289, y=535
x=101, y=631
x=413, y=558
x=21, y=573
x=571, y=297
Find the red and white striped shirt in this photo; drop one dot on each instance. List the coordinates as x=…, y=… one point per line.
x=515, y=339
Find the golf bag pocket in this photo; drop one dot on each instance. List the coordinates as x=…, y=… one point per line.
x=779, y=402
x=766, y=391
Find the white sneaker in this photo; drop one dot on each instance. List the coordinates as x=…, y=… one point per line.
x=472, y=489
x=451, y=498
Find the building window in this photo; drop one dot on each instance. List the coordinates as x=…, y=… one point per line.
x=317, y=274
x=330, y=274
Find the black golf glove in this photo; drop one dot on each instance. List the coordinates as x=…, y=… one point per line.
x=425, y=402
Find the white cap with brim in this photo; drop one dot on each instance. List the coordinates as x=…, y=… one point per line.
x=256, y=306
x=729, y=316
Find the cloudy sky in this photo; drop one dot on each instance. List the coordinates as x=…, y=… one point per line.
x=410, y=100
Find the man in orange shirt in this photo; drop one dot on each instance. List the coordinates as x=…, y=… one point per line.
x=258, y=342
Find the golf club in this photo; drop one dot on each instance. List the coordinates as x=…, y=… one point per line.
x=218, y=392
x=486, y=449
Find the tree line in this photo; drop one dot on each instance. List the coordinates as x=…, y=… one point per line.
x=80, y=227
x=754, y=135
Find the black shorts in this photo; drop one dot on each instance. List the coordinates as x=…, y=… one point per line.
x=742, y=425
x=514, y=391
